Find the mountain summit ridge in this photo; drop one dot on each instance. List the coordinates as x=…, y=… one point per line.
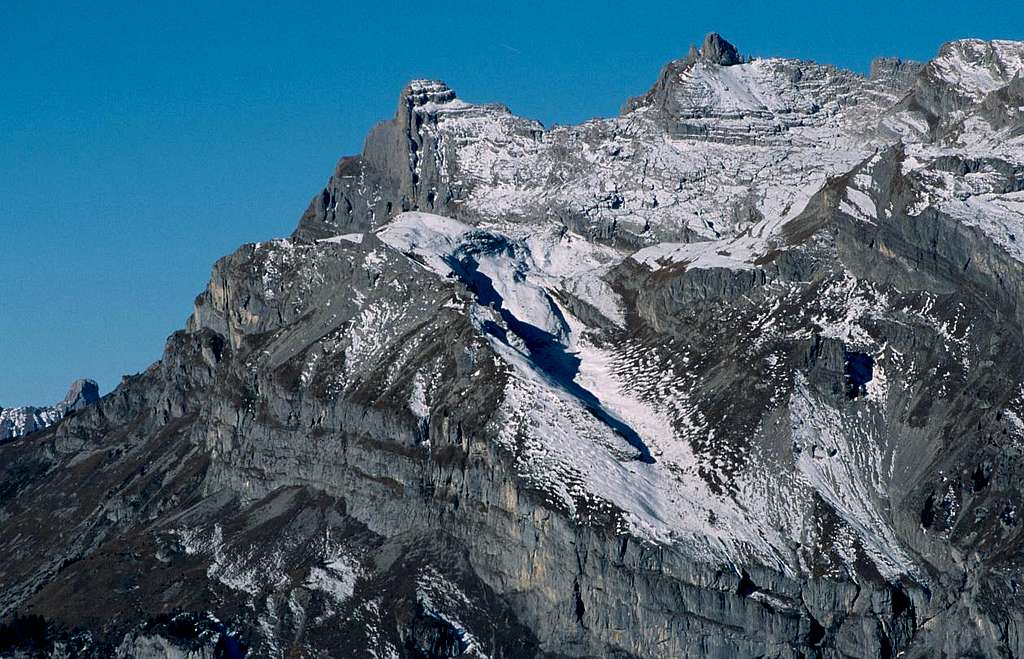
x=734, y=373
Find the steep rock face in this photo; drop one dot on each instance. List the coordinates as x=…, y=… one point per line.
x=20, y=421
x=894, y=71
x=717, y=50
x=737, y=373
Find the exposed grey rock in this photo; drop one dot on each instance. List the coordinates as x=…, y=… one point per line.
x=81, y=394
x=717, y=50
x=895, y=71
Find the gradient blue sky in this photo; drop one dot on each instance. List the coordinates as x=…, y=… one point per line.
x=139, y=142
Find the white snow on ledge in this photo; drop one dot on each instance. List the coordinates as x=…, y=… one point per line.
x=975, y=67
x=356, y=238
x=523, y=269
x=730, y=255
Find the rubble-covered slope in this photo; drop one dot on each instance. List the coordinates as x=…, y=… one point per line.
x=736, y=373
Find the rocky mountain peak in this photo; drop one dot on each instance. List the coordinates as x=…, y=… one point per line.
x=973, y=68
x=80, y=394
x=422, y=92
x=968, y=77
x=717, y=50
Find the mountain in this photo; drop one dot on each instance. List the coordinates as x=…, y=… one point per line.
x=737, y=372
x=20, y=421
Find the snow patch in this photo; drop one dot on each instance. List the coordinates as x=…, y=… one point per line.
x=356, y=238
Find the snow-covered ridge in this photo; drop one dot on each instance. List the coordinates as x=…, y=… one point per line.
x=751, y=88
x=20, y=421
x=713, y=152
x=708, y=168
x=975, y=68
x=736, y=254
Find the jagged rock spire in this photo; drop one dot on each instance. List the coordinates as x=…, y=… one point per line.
x=717, y=50
x=81, y=393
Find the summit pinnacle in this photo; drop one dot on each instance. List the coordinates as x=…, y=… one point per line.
x=717, y=50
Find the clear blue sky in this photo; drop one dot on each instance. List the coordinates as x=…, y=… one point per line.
x=141, y=141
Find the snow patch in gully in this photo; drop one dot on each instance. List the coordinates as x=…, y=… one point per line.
x=580, y=437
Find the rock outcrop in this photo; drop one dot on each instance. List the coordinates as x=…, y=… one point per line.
x=717, y=50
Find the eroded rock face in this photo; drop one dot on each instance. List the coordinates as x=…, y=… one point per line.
x=737, y=373
x=895, y=71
